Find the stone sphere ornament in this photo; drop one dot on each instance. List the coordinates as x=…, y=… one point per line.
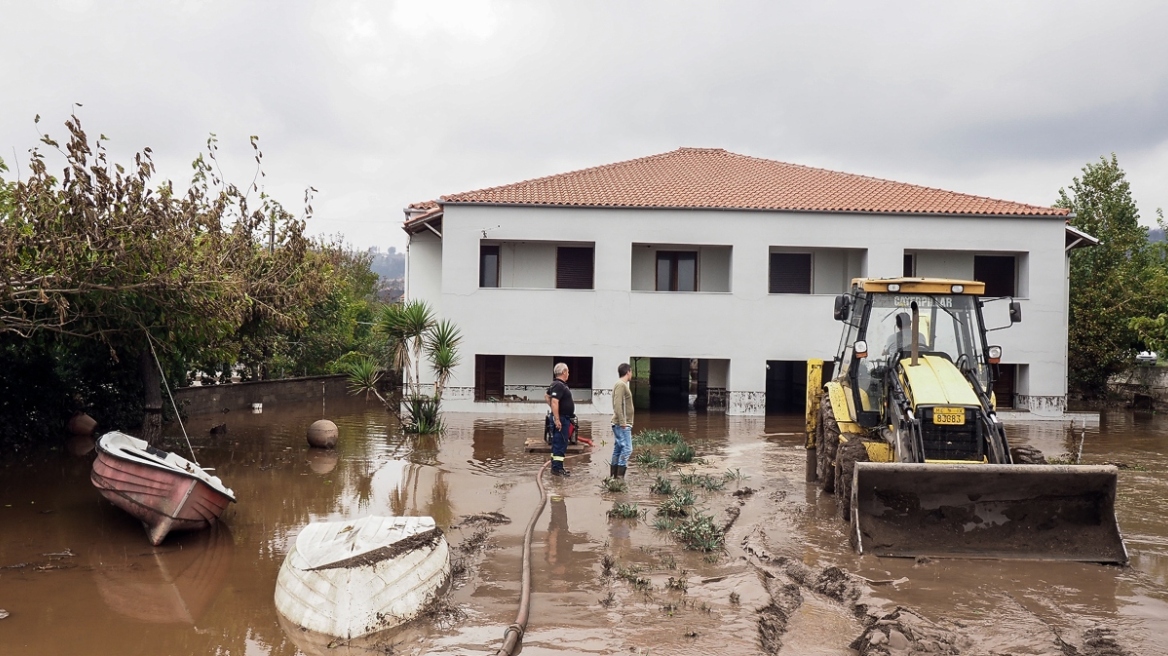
x=322, y=434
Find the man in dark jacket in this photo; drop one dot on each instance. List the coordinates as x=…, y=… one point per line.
x=559, y=399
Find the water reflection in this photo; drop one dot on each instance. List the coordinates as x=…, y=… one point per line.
x=175, y=582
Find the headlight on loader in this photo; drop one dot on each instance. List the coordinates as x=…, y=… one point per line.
x=994, y=354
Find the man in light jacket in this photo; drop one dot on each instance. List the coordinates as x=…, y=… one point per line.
x=622, y=422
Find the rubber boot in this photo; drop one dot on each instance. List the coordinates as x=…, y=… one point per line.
x=620, y=471
x=612, y=471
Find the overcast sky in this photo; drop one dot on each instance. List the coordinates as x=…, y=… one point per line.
x=379, y=104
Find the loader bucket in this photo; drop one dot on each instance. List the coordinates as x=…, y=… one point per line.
x=1017, y=512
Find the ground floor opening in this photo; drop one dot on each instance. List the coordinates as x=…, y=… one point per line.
x=525, y=378
x=679, y=383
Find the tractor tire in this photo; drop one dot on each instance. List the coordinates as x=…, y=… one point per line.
x=849, y=454
x=826, y=444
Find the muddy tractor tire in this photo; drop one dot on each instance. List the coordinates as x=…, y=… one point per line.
x=849, y=454
x=826, y=444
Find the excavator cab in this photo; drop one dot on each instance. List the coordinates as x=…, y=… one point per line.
x=922, y=462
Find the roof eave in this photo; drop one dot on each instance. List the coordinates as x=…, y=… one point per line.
x=754, y=209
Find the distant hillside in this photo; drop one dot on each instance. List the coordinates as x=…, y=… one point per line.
x=1155, y=234
x=388, y=265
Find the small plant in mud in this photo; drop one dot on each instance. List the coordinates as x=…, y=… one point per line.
x=661, y=486
x=607, y=562
x=735, y=599
x=669, y=562
x=678, y=582
x=632, y=575
x=663, y=523
x=734, y=475
x=622, y=510
x=678, y=504
x=650, y=460
x=682, y=453
x=699, y=533
x=669, y=608
x=656, y=436
x=608, y=600
x=614, y=485
x=704, y=481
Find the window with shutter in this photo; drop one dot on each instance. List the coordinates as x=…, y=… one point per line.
x=997, y=272
x=574, y=267
x=790, y=273
x=677, y=271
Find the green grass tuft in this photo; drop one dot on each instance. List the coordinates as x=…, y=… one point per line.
x=682, y=453
x=661, y=486
x=622, y=510
x=704, y=481
x=678, y=504
x=656, y=436
x=699, y=533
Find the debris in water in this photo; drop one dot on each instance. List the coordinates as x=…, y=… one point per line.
x=67, y=553
x=3, y=613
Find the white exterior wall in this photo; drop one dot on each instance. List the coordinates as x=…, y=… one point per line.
x=746, y=326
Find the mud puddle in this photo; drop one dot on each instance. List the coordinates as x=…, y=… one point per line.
x=78, y=577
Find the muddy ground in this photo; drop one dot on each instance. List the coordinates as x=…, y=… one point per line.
x=78, y=577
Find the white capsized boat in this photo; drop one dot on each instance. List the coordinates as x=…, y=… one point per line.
x=352, y=578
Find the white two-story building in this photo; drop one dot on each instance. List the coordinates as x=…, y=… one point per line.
x=714, y=274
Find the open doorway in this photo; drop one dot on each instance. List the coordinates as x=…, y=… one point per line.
x=786, y=387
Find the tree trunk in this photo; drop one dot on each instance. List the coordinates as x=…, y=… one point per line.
x=152, y=396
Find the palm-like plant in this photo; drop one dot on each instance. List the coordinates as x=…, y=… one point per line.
x=414, y=320
x=364, y=375
x=409, y=329
x=397, y=346
x=442, y=349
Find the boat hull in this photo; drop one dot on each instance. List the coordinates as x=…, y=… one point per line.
x=357, y=592
x=162, y=499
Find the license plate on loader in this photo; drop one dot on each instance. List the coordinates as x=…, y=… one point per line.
x=949, y=416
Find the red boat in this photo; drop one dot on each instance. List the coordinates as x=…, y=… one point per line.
x=164, y=490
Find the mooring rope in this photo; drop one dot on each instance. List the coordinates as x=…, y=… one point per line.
x=150, y=341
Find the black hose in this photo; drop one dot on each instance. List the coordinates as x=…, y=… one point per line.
x=514, y=633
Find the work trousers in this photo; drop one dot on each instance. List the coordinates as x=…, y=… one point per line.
x=560, y=442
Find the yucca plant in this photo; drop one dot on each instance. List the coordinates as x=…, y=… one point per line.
x=442, y=342
x=363, y=376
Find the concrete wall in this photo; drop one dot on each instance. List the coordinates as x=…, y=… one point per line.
x=238, y=397
x=747, y=326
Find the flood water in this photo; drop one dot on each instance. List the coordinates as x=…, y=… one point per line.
x=77, y=576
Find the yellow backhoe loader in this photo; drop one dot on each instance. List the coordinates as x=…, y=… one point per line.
x=906, y=435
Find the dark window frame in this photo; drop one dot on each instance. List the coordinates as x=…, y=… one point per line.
x=994, y=270
x=673, y=258
x=579, y=370
x=775, y=280
x=573, y=269
x=910, y=265
x=486, y=250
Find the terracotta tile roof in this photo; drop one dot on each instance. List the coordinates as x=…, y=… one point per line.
x=712, y=178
